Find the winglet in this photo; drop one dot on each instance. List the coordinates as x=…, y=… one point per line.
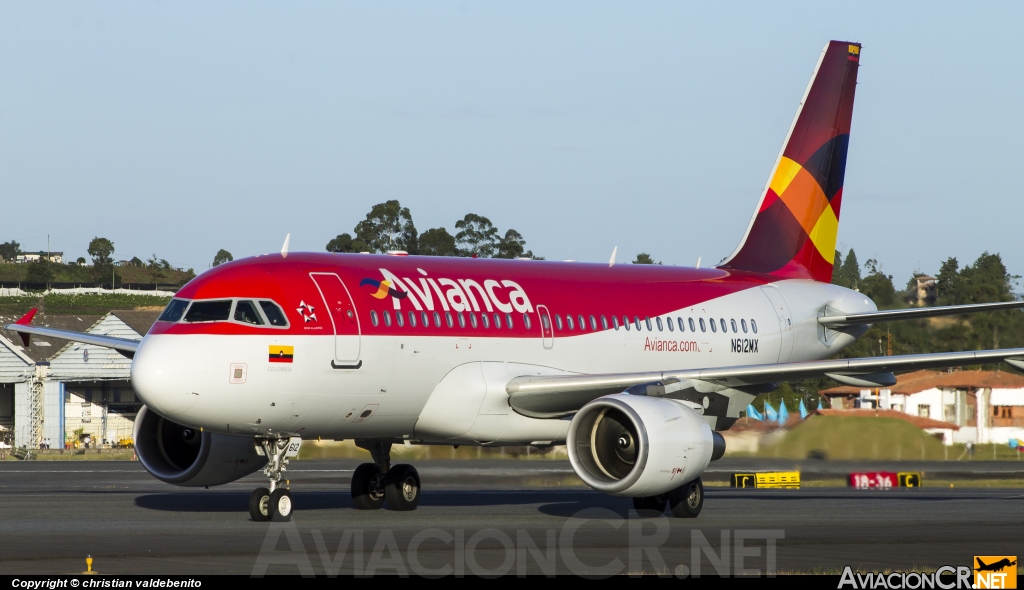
x=615, y=251
x=284, y=247
x=24, y=321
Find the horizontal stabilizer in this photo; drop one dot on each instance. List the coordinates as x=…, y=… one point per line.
x=875, y=317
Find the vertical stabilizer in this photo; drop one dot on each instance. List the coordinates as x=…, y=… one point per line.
x=793, y=232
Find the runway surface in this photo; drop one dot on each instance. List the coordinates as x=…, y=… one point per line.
x=484, y=517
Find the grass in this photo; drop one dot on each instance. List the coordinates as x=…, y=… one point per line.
x=90, y=303
x=18, y=305
x=858, y=438
x=72, y=273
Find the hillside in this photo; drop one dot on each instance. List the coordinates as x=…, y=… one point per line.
x=847, y=437
x=72, y=273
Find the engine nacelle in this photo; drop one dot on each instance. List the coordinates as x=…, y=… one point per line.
x=633, y=445
x=185, y=456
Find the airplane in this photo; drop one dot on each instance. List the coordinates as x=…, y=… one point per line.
x=635, y=368
x=994, y=567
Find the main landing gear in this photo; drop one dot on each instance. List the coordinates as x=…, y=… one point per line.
x=377, y=483
x=686, y=501
x=273, y=503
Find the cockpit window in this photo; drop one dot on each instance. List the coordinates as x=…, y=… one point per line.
x=173, y=311
x=209, y=311
x=274, y=314
x=245, y=312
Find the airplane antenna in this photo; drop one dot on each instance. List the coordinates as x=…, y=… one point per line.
x=284, y=247
x=698, y=262
x=612, y=261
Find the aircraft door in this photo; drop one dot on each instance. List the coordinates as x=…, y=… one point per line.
x=342, y=311
x=785, y=322
x=547, y=331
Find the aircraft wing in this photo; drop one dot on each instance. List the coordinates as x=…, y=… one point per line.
x=561, y=395
x=24, y=329
x=856, y=319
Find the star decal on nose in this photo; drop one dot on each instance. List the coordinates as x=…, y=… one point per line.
x=307, y=312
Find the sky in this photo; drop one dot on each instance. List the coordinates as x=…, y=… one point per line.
x=180, y=128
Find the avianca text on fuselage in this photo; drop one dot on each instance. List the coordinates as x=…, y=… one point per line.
x=458, y=294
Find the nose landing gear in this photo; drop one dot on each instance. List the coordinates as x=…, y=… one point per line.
x=375, y=483
x=274, y=503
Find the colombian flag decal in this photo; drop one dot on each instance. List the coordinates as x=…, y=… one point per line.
x=281, y=354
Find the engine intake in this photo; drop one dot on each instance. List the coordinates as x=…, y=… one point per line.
x=633, y=445
x=186, y=456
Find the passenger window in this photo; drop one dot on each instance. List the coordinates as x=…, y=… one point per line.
x=508, y=320
x=753, y=326
x=568, y=321
x=209, y=311
x=743, y=324
x=462, y=320
x=472, y=320
x=373, y=317
x=526, y=321
x=604, y=323
x=648, y=322
x=245, y=312
x=692, y=328
x=593, y=323
x=437, y=320
x=274, y=314
x=558, y=322
x=615, y=321
x=702, y=327
x=636, y=322
x=712, y=322
x=668, y=322
x=583, y=323
x=425, y=319
x=387, y=318
x=412, y=319
x=658, y=321
x=485, y=320
x=732, y=323
x=680, y=322
x=721, y=322
x=400, y=319
x=497, y=320
x=174, y=310
x=545, y=322
x=448, y=319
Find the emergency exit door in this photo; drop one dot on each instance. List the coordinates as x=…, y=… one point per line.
x=345, y=320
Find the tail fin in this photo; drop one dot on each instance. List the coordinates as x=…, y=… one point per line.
x=793, y=232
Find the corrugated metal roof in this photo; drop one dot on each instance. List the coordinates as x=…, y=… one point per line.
x=15, y=365
x=87, y=362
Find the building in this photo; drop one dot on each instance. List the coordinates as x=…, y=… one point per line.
x=54, y=387
x=57, y=257
x=987, y=406
x=925, y=293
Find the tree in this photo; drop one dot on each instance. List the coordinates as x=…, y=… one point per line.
x=81, y=260
x=837, y=268
x=877, y=285
x=846, y=273
x=513, y=246
x=947, y=284
x=345, y=243
x=101, y=249
x=9, y=250
x=644, y=258
x=222, y=257
x=136, y=261
x=437, y=242
x=477, y=236
x=388, y=226
x=40, y=271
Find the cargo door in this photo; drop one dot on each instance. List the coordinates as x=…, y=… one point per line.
x=342, y=311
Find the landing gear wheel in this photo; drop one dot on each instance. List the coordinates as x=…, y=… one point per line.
x=367, y=488
x=650, y=506
x=259, y=505
x=687, y=500
x=281, y=505
x=402, y=488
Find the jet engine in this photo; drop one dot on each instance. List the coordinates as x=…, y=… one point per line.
x=634, y=445
x=186, y=456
